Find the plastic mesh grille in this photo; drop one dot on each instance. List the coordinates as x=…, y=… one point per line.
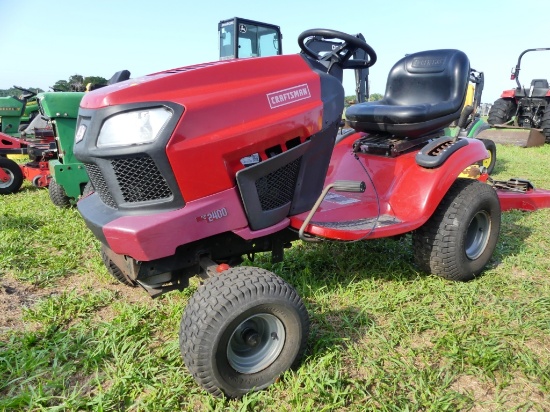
x=277, y=188
x=100, y=186
x=140, y=180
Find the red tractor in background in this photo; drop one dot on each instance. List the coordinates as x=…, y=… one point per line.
x=528, y=108
x=195, y=167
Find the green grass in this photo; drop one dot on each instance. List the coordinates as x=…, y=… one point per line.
x=383, y=337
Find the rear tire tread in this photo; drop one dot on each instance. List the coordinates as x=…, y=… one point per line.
x=501, y=111
x=435, y=242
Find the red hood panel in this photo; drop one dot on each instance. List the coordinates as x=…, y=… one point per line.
x=179, y=83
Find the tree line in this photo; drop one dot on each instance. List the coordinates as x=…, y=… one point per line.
x=16, y=92
x=75, y=83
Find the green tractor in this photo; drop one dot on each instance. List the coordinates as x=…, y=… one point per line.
x=241, y=38
x=68, y=175
x=17, y=112
x=69, y=179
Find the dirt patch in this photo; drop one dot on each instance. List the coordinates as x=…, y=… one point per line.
x=520, y=393
x=15, y=297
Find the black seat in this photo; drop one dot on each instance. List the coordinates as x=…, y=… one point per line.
x=119, y=76
x=540, y=87
x=424, y=93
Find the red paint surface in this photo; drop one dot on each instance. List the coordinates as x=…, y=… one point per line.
x=402, y=189
x=224, y=122
x=149, y=237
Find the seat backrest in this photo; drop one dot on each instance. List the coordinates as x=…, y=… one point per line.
x=539, y=88
x=429, y=77
x=119, y=76
x=539, y=83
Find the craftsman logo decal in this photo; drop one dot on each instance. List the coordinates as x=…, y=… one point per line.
x=287, y=96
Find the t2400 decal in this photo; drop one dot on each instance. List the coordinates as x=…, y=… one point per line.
x=213, y=216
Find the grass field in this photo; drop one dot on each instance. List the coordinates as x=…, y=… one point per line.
x=384, y=336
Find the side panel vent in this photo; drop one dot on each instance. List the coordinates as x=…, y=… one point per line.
x=268, y=188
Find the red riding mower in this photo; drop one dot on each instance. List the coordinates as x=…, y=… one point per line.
x=197, y=166
x=40, y=148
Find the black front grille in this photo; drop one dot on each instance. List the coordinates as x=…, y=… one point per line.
x=277, y=188
x=140, y=180
x=100, y=186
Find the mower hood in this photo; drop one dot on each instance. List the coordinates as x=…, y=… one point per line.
x=197, y=80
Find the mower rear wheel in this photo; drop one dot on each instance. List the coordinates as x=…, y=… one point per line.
x=241, y=330
x=58, y=195
x=15, y=176
x=115, y=271
x=460, y=237
x=501, y=111
x=545, y=124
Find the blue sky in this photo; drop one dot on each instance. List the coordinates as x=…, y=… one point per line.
x=45, y=41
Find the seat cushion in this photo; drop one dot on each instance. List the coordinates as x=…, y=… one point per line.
x=425, y=91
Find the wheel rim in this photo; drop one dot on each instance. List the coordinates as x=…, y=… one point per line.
x=477, y=235
x=256, y=343
x=487, y=162
x=7, y=184
x=36, y=181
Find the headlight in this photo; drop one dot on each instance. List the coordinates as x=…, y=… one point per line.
x=135, y=127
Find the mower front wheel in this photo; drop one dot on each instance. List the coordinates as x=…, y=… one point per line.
x=58, y=195
x=14, y=176
x=241, y=330
x=459, y=239
x=115, y=271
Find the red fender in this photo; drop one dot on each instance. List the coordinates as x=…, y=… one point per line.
x=400, y=196
x=508, y=94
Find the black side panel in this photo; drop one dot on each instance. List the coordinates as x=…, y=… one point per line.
x=291, y=182
x=288, y=183
x=268, y=188
x=314, y=170
x=332, y=91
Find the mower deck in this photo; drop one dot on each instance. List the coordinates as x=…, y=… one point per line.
x=530, y=200
x=514, y=135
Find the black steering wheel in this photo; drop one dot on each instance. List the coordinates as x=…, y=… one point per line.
x=29, y=93
x=349, y=46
